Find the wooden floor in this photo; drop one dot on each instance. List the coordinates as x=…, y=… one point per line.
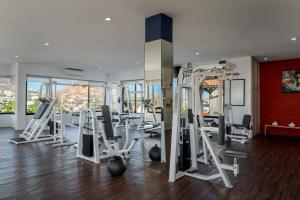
x=36, y=171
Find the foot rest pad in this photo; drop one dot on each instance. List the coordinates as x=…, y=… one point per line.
x=18, y=139
x=239, y=135
x=236, y=154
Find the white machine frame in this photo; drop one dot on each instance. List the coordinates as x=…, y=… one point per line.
x=147, y=125
x=112, y=147
x=191, y=79
x=59, y=130
x=241, y=138
x=34, y=130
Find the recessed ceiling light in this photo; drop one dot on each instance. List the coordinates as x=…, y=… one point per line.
x=294, y=38
x=138, y=63
x=46, y=44
x=197, y=53
x=108, y=19
x=16, y=56
x=100, y=68
x=266, y=58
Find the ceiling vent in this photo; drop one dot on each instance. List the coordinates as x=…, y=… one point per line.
x=74, y=71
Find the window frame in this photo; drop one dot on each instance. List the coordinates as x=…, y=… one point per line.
x=26, y=83
x=104, y=83
x=223, y=98
x=9, y=113
x=152, y=98
x=135, y=82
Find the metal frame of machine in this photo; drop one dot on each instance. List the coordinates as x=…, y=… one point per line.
x=191, y=79
x=89, y=124
x=34, y=130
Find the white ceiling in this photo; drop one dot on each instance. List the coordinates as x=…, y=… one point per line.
x=80, y=37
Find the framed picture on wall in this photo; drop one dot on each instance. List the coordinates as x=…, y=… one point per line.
x=291, y=81
x=237, y=92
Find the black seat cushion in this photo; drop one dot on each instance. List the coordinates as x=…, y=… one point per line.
x=236, y=154
x=115, y=138
x=41, y=110
x=108, y=128
x=239, y=126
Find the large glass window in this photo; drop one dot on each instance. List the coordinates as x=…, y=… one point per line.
x=154, y=93
x=35, y=89
x=210, y=95
x=115, y=97
x=139, y=89
x=7, y=95
x=134, y=96
x=96, y=95
x=72, y=94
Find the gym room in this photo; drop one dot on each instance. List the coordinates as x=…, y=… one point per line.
x=160, y=99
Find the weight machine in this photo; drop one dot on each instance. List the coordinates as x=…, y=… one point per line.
x=125, y=100
x=89, y=139
x=230, y=127
x=149, y=125
x=58, y=127
x=34, y=130
x=188, y=128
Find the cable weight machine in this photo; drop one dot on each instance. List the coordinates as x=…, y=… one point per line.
x=188, y=129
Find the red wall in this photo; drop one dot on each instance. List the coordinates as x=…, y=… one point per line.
x=274, y=104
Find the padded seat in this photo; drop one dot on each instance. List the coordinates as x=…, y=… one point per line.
x=100, y=117
x=133, y=117
x=245, y=123
x=239, y=135
x=156, y=125
x=76, y=114
x=115, y=120
x=18, y=140
x=115, y=138
x=236, y=154
x=153, y=132
x=41, y=110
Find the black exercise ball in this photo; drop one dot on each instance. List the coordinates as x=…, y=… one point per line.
x=155, y=153
x=116, y=166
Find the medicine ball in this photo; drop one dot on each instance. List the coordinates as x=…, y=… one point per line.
x=155, y=153
x=116, y=166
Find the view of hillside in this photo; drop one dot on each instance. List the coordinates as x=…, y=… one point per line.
x=7, y=98
x=71, y=97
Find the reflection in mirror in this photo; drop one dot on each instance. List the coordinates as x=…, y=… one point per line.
x=158, y=100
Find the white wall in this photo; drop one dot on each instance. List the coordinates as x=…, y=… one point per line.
x=244, y=67
x=5, y=70
x=128, y=75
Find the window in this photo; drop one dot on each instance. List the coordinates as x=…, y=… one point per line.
x=96, y=95
x=35, y=89
x=115, y=96
x=185, y=101
x=139, y=89
x=7, y=95
x=134, y=96
x=72, y=94
x=210, y=97
x=154, y=93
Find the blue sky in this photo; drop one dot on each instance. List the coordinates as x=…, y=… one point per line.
x=37, y=85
